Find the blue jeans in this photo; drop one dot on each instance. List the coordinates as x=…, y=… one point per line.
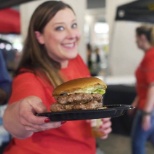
x=139, y=136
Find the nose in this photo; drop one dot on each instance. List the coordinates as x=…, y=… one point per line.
x=71, y=33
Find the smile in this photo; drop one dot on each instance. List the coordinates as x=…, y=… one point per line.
x=69, y=45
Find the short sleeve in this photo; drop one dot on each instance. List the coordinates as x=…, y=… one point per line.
x=148, y=67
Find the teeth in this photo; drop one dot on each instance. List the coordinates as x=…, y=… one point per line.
x=69, y=45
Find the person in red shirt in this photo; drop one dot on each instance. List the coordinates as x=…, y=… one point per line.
x=50, y=57
x=143, y=125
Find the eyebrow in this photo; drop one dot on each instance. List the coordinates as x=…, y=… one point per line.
x=59, y=23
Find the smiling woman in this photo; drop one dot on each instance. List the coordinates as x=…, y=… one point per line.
x=50, y=57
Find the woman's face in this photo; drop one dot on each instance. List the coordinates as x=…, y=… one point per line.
x=61, y=36
x=139, y=41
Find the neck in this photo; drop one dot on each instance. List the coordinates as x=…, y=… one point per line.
x=147, y=47
x=64, y=64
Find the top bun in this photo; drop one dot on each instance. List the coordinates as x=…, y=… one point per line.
x=79, y=85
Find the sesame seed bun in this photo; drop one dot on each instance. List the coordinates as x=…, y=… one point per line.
x=80, y=85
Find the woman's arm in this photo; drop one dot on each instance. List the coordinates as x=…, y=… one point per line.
x=21, y=121
x=148, y=108
x=135, y=102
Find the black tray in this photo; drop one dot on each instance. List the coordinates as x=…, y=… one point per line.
x=109, y=111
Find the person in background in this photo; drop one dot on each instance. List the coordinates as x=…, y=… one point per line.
x=93, y=60
x=89, y=52
x=143, y=125
x=50, y=57
x=98, y=60
x=5, y=90
x=5, y=81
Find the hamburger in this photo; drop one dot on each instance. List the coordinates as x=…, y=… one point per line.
x=79, y=94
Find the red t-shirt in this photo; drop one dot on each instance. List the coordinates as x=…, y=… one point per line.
x=144, y=76
x=74, y=137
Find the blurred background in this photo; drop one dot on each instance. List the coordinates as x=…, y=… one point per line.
x=108, y=47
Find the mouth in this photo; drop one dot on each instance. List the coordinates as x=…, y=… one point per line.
x=69, y=45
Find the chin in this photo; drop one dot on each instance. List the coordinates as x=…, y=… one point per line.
x=72, y=55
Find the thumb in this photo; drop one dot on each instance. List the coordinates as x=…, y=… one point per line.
x=37, y=104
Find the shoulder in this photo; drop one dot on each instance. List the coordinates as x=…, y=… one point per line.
x=25, y=77
x=78, y=59
x=26, y=84
x=150, y=54
x=81, y=66
x=148, y=60
x=150, y=51
x=28, y=77
x=24, y=81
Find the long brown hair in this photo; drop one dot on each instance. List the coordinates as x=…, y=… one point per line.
x=34, y=54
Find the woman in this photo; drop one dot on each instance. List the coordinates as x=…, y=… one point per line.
x=50, y=58
x=143, y=126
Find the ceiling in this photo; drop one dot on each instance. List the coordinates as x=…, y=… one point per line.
x=95, y=4
x=6, y=4
x=91, y=4
x=10, y=3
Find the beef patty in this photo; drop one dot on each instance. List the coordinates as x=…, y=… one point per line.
x=77, y=101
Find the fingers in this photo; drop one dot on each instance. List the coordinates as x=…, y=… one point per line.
x=106, y=122
x=38, y=106
x=35, y=123
x=28, y=109
x=27, y=115
x=32, y=119
x=106, y=127
x=43, y=127
x=28, y=112
x=146, y=122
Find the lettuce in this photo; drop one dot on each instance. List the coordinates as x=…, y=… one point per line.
x=99, y=91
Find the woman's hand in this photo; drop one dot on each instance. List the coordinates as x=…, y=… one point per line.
x=27, y=115
x=134, y=104
x=148, y=107
x=146, y=122
x=105, y=128
x=21, y=121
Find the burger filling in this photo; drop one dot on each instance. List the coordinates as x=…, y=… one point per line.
x=77, y=101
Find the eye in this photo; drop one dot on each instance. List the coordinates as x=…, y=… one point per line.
x=74, y=25
x=59, y=28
